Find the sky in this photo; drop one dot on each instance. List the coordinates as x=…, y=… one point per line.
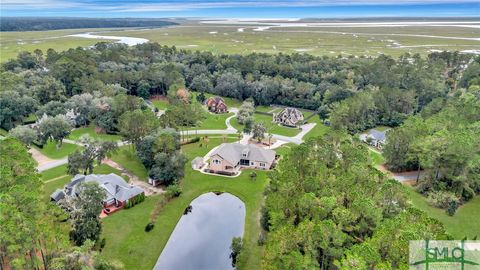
x=241, y=8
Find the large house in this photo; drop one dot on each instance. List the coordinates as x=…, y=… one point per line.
x=117, y=190
x=375, y=138
x=216, y=105
x=290, y=117
x=228, y=158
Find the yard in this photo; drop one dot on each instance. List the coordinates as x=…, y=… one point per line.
x=127, y=158
x=77, y=133
x=57, y=177
x=462, y=224
x=140, y=250
x=212, y=121
x=50, y=150
x=271, y=127
x=161, y=104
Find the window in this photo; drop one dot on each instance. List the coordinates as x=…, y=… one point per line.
x=252, y=163
x=244, y=154
x=216, y=161
x=262, y=164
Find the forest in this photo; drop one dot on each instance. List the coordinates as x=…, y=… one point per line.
x=380, y=90
x=42, y=24
x=328, y=208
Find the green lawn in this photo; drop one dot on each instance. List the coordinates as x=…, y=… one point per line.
x=376, y=157
x=213, y=121
x=54, y=172
x=463, y=223
x=319, y=130
x=161, y=104
x=140, y=250
x=90, y=131
x=50, y=186
x=50, y=150
x=271, y=127
x=127, y=157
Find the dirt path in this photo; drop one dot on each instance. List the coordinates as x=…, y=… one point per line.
x=149, y=190
x=40, y=158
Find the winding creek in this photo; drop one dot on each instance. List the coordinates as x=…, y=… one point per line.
x=130, y=41
x=202, y=237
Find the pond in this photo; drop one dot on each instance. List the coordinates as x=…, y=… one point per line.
x=202, y=237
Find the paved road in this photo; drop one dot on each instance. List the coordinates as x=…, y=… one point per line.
x=52, y=164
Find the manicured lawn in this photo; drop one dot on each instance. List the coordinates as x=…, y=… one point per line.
x=90, y=131
x=161, y=104
x=127, y=157
x=319, y=130
x=213, y=121
x=50, y=150
x=271, y=127
x=376, y=157
x=382, y=128
x=127, y=241
x=51, y=186
x=463, y=223
x=54, y=172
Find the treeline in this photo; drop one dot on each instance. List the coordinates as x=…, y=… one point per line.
x=444, y=141
x=42, y=24
x=317, y=83
x=328, y=208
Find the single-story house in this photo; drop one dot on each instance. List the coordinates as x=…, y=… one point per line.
x=290, y=117
x=216, y=105
x=375, y=138
x=230, y=157
x=117, y=190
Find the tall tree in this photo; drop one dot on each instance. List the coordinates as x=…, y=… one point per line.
x=134, y=125
x=54, y=128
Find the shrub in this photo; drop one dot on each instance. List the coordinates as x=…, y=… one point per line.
x=452, y=208
x=261, y=239
x=174, y=191
x=149, y=227
x=442, y=199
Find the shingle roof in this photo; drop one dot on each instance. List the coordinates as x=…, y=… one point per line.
x=115, y=187
x=232, y=152
x=377, y=135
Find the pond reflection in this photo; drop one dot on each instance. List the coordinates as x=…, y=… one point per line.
x=201, y=240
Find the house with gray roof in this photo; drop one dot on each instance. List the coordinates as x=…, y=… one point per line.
x=117, y=191
x=290, y=117
x=230, y=157
x=375, y=138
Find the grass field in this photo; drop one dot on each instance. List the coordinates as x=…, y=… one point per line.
x=127, y=157
x=130, y=246
x=11, y=43
x=227, y=38
x=213, y=121
x=50, y=150
x=244, y=39
x=462, y=224
x=77, y=133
